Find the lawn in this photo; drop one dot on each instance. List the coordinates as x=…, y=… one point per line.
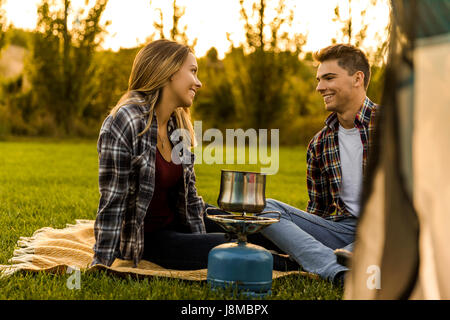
x=50, y=184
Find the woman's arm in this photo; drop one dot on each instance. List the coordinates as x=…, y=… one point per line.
x=195, y=204
x=114, y=172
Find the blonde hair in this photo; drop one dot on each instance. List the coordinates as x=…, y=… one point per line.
x=152, y=68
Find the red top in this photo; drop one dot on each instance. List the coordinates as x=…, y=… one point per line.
x=167, y=175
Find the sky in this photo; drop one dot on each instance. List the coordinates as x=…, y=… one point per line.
x=210, y=20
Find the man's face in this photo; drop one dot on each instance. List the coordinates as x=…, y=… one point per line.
x=335, y=85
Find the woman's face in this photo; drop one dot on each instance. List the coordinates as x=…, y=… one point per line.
x=184, y=83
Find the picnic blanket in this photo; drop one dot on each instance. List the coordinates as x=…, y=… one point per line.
x=56, y=250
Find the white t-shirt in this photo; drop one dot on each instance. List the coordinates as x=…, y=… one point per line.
x=351, y=153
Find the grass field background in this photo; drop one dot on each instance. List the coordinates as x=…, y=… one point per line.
x=50, y=184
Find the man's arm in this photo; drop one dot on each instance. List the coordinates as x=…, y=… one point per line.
x=317, y=182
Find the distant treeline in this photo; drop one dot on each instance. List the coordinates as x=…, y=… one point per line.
x=68, y=85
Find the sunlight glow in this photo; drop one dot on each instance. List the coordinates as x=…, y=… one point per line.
x=209, y=20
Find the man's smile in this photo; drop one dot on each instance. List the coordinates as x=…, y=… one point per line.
x=327, y=97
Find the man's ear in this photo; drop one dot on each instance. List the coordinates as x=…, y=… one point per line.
x=358, y=79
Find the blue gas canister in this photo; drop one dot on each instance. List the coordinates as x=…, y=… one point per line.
x=241, y=265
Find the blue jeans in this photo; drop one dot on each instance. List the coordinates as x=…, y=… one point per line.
x=309, y=239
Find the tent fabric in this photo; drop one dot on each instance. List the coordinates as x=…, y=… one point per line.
x=434, y=18
x=400, y=249
x=423, y=18
x=431, y=154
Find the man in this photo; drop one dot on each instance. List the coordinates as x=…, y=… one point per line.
x=336, y=159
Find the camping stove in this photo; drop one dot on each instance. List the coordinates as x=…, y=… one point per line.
x=239, y=264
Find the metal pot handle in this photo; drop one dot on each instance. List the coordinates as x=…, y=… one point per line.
x=214, y=208
x=206, y=211
x=279, y=214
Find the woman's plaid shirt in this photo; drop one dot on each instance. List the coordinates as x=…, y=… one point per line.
x=127, y=181
x=324, y=164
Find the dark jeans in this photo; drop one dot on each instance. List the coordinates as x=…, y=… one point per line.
x=176, y=248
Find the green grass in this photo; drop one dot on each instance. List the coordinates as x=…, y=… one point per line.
x=53, y=183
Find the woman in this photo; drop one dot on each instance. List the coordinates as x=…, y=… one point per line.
x=149, y=207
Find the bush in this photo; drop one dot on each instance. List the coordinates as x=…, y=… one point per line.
x=300, y=130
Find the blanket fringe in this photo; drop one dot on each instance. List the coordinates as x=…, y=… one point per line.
x=22, y=259
x=24, y=251
x=25, y=242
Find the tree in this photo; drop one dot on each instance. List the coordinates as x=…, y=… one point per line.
x=215, y=104
x=175, y=33
x=268, y=36
x=113, y=69
x=259, y=77
x=2, y=24
x=348, y=34
x=61, y=67
x=262, y=83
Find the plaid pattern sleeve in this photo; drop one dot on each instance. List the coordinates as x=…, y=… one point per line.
x=114, y=171
x=195, y=205
x=319, y=197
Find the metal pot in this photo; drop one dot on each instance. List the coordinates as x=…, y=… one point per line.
x=242, y=191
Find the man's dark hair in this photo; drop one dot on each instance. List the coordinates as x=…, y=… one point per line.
x=348, y=57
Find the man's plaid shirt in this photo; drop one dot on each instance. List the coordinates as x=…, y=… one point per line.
x=324, y=164
x=127, y=181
